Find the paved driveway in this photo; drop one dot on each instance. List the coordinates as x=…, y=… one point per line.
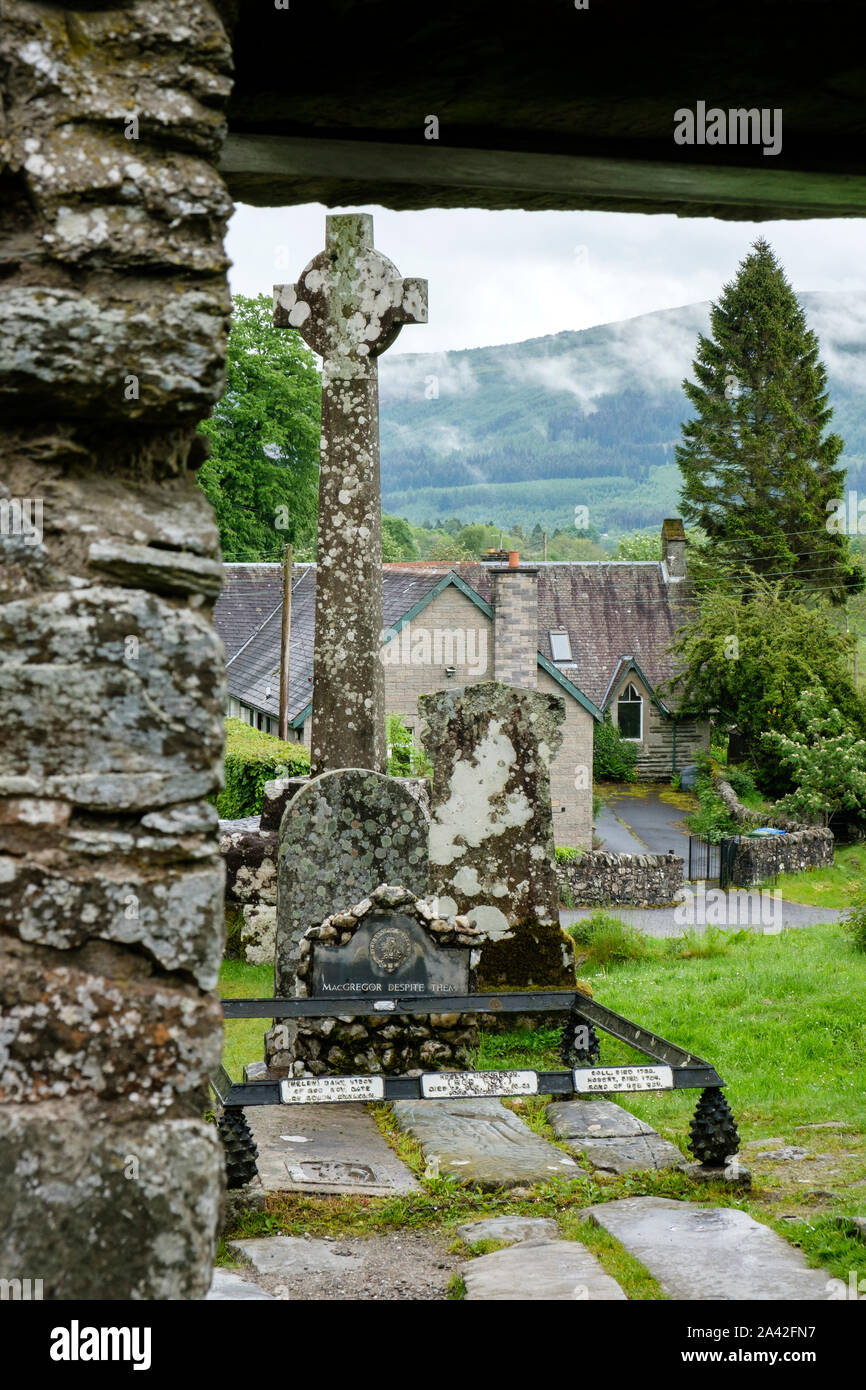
x=643, y=819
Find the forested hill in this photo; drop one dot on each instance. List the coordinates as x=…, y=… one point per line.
x=527, y=431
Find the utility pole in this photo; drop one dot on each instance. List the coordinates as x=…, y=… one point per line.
x=286, y=642
x=544, y=544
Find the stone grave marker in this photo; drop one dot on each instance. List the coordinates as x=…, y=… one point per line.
x=349, y=304
x=390, y=943
x=491, y=830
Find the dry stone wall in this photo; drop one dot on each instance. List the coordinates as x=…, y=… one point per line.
x=637, y=880
x=112, y=345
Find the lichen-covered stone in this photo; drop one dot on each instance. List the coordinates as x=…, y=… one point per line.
x=491, y=830
x=112, y=345
x=103, y=1202
x=343, y=835
x=99, y=1023
x=349, y=305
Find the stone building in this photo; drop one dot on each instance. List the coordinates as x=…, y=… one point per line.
x=597, y=634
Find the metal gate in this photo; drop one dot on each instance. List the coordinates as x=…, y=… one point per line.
x=704, y=858
x=727, y=850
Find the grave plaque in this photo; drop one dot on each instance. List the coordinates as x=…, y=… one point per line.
x=389, y=954
x=587, y=1079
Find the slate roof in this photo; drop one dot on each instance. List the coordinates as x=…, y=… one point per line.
x=612, y=611
x=247, y=617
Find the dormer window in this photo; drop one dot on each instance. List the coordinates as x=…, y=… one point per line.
x=629, y=714
x=560, y=646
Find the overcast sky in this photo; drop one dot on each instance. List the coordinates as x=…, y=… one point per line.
x=500, y=277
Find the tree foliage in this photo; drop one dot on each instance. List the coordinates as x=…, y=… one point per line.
x=613, y=757
x=262, y=475
x=747, y=663
x=826, y=758
x=758, y=465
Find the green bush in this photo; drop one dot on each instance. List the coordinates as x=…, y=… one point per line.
x=742, y=781
x=605, y=939
x=565, y=854
x=253, y=758
x=406, y=757
x=613, y=758
x=712, y=821
x=855, y=922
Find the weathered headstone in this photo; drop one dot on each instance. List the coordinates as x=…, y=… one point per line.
x=491, y=831
x=390, y=943
x=343, y=834
x=349, y=305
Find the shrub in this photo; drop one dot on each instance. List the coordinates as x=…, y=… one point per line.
x=565, y=854
x=613, y=758
x=855, y=921
x=742, y=781
x=607, y=939
x=406, y=757
x=712, y=821
x=251, y=759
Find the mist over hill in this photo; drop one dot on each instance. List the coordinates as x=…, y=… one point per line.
x=525, y=432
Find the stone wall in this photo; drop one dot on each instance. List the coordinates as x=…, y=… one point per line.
x=600, y=879
x=765, y=856
x=112, y=346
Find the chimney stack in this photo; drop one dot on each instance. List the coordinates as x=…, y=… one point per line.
x=674, y=547
x=515, y=624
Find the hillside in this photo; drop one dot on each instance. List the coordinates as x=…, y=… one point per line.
x=525, y=432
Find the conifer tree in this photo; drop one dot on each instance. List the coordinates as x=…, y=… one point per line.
x=759, y=469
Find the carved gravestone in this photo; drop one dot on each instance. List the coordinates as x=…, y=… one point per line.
x=343, y=834
x=491, y=831
x=388, y=945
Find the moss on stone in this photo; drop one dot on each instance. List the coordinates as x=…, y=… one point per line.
x=537, y=955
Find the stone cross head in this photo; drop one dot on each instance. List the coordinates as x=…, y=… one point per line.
x=350, y=302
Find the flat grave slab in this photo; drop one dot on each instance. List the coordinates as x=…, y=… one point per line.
x=293, y=1255
x=539, y=1269
x=509, y=1229
x=229, y=1286
x=593, y=1119
x=611, y=1139
x=697, y=1252
x=480, y=1141
x=334, y=1147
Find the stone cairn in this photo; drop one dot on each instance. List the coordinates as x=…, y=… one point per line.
x=112, y=348
x=382, y=1043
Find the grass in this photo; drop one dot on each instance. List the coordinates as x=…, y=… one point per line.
x=243, y=1036
x=834, y=886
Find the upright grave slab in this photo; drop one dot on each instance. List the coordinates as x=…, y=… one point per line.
x=491, y=831
x=343, y=834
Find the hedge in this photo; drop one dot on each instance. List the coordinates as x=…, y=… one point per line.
x=253, y=758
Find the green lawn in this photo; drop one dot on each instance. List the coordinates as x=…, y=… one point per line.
x=243, y=1036
x=836, y=886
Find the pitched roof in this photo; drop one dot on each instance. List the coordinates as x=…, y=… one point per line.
x=613, y=612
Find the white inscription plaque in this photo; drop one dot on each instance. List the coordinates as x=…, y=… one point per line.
x=478, y=1083
x=299, y=1090
x=623, y=1079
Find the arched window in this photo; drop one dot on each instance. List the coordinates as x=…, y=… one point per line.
x=629, y=713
